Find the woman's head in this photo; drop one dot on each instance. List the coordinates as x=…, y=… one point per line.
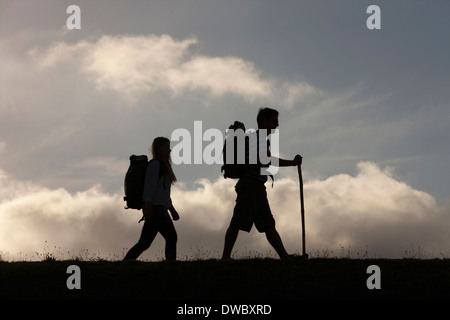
x=161, y=151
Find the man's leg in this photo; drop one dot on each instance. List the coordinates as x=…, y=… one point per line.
x=274, y=239
x=230, y=239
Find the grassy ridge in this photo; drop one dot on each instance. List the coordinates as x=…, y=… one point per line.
x=254, y=279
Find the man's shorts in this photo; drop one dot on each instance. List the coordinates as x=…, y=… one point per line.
x=252, y=206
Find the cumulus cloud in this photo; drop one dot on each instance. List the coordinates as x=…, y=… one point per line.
x=32, y=215
x=371, y=211
x=220, y=76
x=135, y=64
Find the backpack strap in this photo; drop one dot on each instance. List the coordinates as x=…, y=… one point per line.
x=143, y=217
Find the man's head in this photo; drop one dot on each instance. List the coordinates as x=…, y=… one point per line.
x=267, y=119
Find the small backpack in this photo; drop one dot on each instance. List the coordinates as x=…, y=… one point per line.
x=134, y=182
x=233, y=169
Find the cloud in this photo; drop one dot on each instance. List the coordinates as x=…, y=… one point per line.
x=32, y=215
x=220, y=76
x=133, y=65
x=293, y=92
x=371, y=211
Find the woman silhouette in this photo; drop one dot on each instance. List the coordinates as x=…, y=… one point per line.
x=157, y=202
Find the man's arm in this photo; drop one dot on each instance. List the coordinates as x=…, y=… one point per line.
x=289, y=163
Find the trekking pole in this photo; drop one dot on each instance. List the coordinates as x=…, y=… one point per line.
x=302, y=210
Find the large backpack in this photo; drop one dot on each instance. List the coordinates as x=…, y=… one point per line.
x=134, y=182
x=235, y=169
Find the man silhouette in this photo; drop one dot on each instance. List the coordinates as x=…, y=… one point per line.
x=252, y=206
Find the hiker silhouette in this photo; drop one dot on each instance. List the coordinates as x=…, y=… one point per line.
x=157, y=202
x=252, y=205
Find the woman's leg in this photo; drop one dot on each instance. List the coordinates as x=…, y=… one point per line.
x=167, y=230
x=148, y=234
